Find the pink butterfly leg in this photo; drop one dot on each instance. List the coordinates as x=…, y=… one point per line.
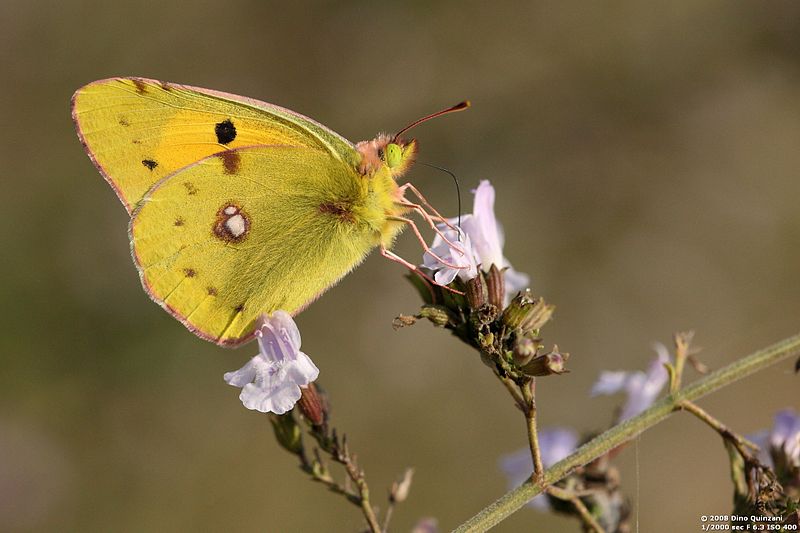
x=415, y=191
x=390, y=255
x=425, y=246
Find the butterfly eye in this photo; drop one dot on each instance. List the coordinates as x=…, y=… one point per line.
x=393, y=155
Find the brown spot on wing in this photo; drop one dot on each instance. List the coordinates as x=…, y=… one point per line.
x=342, y=211
x=191, y=189
x=179, y=221
x=149, y=163
x=239, y=308
x=141, y=86
x=212, y=291
x=189, y=272
x=123, y=121
x=230, y=161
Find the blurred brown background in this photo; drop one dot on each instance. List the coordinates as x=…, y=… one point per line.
x=646, y=164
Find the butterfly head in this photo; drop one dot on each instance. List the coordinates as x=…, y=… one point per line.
x=395, y=154
x=387, y=153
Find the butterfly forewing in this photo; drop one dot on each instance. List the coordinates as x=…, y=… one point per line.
x=137, y=131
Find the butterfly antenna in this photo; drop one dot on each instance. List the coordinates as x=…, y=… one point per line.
x=458, y=107
x=458, y=190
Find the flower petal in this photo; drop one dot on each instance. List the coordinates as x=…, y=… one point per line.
x=303, y=371
x=278, y=336
x=243, y=376
x=554, y=444
x=609, y=382
x=484, y=229
x=515, y=282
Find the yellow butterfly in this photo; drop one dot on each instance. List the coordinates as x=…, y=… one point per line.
x=239, y=207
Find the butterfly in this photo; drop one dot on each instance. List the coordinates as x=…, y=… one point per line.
x=239, y=207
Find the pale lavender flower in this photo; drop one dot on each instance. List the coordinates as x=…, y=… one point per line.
x=271, y=380
x=426, y=525
x=481, y=244
x=642, y=388
x=784, y=439
x=554, y=445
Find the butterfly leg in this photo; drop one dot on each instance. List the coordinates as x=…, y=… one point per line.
x=430, y=220
x=425, y=246
x=426, y=203
x=390, y=255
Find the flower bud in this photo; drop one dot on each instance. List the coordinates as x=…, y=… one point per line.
x=537, y=316
x=496, y=286
x=312, y=405
x=517, y=310
x=287, y=432
x=476, y=292
x=402, y=321
x=547, y=364
x=400, y=489
x=438, y=315
x=524, y=350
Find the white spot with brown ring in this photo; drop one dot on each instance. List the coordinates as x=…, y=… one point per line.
x=232, y=224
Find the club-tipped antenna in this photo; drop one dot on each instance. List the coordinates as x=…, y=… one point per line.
x=458, y=107
x=458, y=191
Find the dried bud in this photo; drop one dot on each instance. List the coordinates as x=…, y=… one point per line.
x=400, y=488
x=476, y=292
x=312, y=405
x=403, y=321
x=517, y=310
x=537, y=316
x=547, y=364
x=496, y=287
x=287, y=432
x=524, y=350
x=437, y=314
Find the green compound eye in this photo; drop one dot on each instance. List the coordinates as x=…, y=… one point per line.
x=393, y=155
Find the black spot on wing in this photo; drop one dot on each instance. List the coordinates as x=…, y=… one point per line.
x=226, y=131
x=149, y=163
x=239, y=308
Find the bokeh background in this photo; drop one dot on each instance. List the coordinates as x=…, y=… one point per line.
x=646, y=163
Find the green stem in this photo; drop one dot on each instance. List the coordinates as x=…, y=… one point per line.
x=516, y=498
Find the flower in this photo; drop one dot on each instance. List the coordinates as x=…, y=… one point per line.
x=481, y=244
x=783, y=441
x=271, y=380
x=426, y=525
x=642, y=388
x=554, y=445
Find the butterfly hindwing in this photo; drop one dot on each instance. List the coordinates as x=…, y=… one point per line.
x=137, y=131
x=250, y=231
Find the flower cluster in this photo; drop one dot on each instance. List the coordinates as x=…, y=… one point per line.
x=479, y=244
x=641, y=389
